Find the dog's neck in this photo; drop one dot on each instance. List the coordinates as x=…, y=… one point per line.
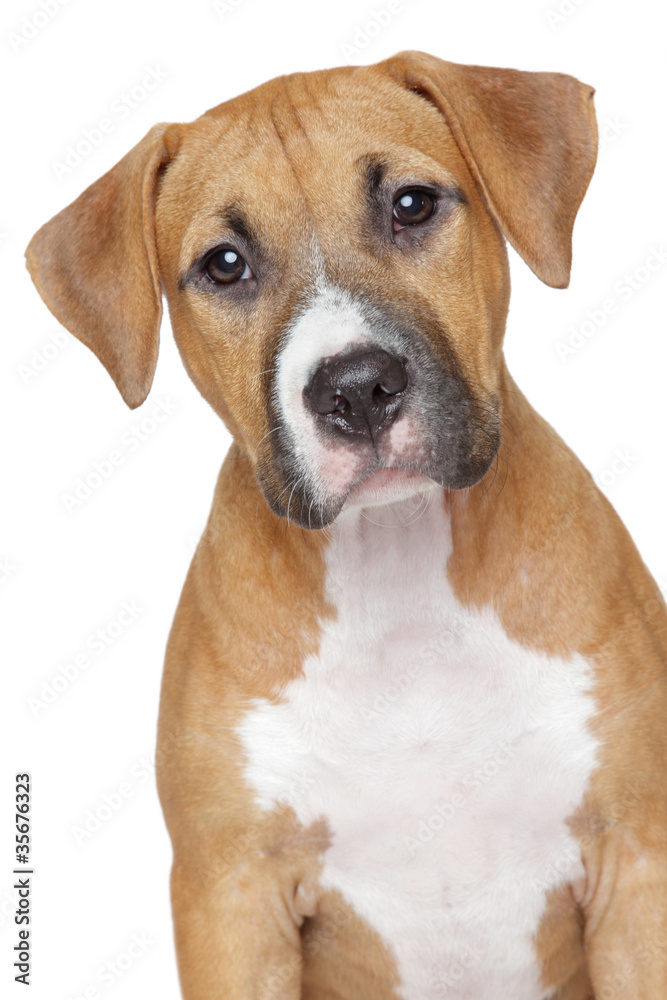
x=496, y=532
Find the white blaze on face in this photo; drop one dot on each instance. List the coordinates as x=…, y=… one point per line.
x=331, y=323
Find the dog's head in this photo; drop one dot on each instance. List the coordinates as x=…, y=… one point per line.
x=331, y=246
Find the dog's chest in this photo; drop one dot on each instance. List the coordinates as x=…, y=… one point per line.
x=444, y=757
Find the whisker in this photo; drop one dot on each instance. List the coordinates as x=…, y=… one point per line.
x=272, y=431
x=289, y=502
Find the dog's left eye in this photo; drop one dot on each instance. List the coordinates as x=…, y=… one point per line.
x=413, y=206
x=226, y=265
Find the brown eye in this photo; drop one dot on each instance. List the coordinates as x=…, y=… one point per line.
x=226, y=266
x=413, y=206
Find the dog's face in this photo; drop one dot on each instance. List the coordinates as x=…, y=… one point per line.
x=331, y=248
x=322, y=275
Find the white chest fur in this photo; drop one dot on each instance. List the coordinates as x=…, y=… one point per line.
x=444, y=757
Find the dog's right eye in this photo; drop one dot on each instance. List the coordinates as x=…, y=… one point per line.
x=226, y=265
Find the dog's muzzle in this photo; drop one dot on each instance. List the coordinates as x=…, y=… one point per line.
x=360, y=388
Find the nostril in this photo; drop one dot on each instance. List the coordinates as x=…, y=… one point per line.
x=394, y=379
x=380, y=391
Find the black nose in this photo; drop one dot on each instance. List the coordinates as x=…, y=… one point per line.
x=359, y=393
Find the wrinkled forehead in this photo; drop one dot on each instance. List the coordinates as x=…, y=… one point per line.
x=304, y=155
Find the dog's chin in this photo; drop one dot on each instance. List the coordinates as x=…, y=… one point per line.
x=387, y=486
x=311, y=503
x=379, y=487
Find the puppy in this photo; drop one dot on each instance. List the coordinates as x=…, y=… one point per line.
x=414, y=695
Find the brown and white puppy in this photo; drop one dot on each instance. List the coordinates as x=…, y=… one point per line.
x=419, y=750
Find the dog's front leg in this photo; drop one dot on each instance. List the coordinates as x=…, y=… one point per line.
x=624, y=840
x=237, y=932
x=626, y=920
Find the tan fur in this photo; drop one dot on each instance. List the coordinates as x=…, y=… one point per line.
x=546, y=550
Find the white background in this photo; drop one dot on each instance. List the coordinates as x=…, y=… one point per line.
x=66, y=574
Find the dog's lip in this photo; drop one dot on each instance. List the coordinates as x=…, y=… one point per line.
x=385, y=476
x=387, y=481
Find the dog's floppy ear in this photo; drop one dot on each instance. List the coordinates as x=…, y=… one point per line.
x=95, y=265
x=530, y=143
